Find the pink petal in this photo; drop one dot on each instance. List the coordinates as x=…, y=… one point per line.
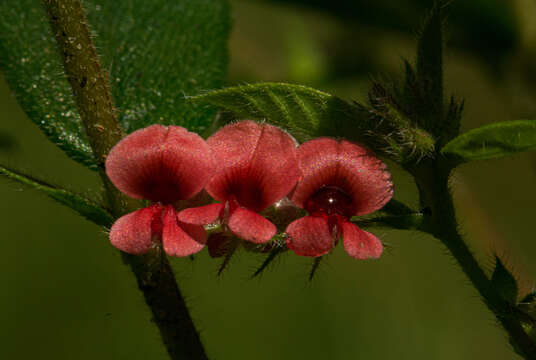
x=360, y=244
x=255, y=162
x=349, y=166
x=133, y=233
x=181, y=239
x=160, y=163
x=201, y=215
x=310, y=236
x=251, y=226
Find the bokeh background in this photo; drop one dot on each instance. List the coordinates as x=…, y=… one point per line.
x=66, y=295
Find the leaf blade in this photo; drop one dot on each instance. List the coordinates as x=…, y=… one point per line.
x=33, y=69
x=307, y=113
x=155, y=52
x=493, y=141
x=83, y=206
x=158, y=51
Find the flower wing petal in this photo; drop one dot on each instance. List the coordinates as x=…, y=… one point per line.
x=160, y=163
x=132, y=233
x=250, y=226
x=360, y=244
x=353, y=168
x=181, y=239
x=310, y=236
x=256, y=163
x=201, y=215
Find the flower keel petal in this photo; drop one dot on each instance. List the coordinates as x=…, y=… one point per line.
x=180, y=239
x=360, y=244
x=251, y=226
x=310, y=236
x=201, y=215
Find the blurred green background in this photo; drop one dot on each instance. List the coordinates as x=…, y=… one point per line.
x=66, y=294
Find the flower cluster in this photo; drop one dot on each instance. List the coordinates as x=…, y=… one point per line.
x=246, y=167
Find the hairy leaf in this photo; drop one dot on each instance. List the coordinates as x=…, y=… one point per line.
x=504, y=282
x=155, y=51
x=493, y=141
x=34, y=71
x=430, y=62
x=83, y=206
x=401, y=222
x=301, y=109
x=309, y=113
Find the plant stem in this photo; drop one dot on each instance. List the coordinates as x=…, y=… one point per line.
x=93, y=97
x=432, y=179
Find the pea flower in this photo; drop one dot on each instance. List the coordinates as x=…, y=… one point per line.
x=256, y=166
x=340, y=179
x=163, y=165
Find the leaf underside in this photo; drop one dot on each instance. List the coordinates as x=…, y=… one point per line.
x=83, y=206
x=155, y=52
x=493, y=141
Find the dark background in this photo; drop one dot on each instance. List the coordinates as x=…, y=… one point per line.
x=66, y=295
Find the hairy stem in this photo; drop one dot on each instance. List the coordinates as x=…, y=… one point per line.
x=93, y=97
x=432, y=178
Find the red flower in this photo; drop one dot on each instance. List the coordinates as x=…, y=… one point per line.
x=163, y=165
x=256, y=166
x=340, y=180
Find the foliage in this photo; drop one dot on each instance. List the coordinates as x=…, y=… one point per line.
x=493, y=141
x=139, y=48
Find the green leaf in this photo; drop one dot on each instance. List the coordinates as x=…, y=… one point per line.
x=34, y=71
x=301, y=109
x=504, y=282
x=307, y=113
x=397, y=208
x=493, y=141
x=156, y=52
x=83, y=206
x=401, y=222
x=430, y=62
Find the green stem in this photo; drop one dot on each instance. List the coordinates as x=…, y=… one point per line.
x=93, y=97
x=432, y=179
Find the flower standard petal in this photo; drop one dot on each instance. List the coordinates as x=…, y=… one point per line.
x=181, y=239
x=255, y=162
x=160, y=163
x=310, y=236
x=133, y=233
x=250, y=226
x=360, y=244
x=348, y=166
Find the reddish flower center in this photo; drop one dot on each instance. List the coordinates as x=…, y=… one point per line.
x=330, y=200
x=248, y=191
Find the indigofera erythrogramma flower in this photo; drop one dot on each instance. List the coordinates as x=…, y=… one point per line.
x=256, y=166
x=339, y=180
x=163, y=165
